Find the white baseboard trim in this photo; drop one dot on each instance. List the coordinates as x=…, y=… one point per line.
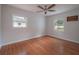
x=21, y=40
x=64, y=39
x=36, y=37
x=0, y=46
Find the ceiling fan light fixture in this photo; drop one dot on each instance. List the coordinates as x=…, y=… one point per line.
x=45, y=12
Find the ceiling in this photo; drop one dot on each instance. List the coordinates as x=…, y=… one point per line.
x=59, y=8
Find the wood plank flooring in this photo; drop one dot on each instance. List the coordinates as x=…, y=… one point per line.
x=41, y=46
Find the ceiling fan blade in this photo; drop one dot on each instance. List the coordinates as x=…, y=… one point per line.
x=40, y=7
x=51, y=10
x=51, y=6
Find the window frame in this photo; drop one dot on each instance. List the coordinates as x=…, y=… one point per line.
x=59, y=28
x=19, y=21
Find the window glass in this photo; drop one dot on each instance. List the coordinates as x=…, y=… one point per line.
x=19, y=22
x=59, y=25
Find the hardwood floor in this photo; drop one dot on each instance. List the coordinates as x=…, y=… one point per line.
x=41, y=46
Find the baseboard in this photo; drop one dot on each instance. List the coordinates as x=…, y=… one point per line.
x=0, y=46
x=37, y=37
x=63, y=39
x=21, y=40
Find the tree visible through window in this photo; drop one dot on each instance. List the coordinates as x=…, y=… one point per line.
x=19, y=22
x=59, y=25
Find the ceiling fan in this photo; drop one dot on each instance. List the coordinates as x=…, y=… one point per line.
x=46, y=8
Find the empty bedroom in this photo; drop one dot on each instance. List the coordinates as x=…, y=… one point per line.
x=39, y=29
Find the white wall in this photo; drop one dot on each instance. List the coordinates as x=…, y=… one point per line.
x=35, y=25
x=0, y=26
x=71, y=30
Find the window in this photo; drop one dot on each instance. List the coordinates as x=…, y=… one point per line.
x=59, y=25
x=19, y=22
